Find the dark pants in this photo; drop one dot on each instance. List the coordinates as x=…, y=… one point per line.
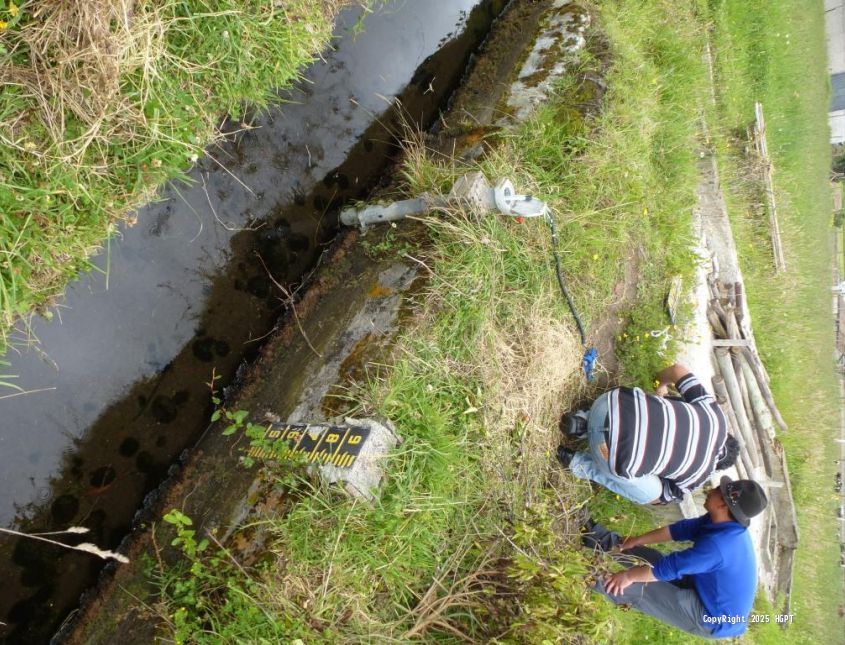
x=676, y=603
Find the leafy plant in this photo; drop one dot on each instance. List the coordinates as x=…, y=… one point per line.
x=552, y=579
x=211, y=598
x=647, y=343
x=377, y=243
x=255, y=432
x=185, y=536
x=237, y=420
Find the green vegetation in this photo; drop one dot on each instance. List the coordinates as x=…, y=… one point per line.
x=6, y=380
x=476, y=532
x=98, y=108
x=621, y=180
x=775, y=53
x=214, y=599
x=469, y=461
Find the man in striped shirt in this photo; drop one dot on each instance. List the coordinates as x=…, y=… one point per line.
x=650, y=448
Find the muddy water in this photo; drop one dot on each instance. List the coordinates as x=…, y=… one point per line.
x=120, y=377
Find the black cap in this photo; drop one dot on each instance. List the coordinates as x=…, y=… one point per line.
x=745, y=498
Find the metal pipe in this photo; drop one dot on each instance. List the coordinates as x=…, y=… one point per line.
x=379, y=213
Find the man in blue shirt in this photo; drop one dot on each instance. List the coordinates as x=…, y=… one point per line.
x=706, y=590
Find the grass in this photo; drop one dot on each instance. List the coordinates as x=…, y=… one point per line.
x=647, y=164
x=774, y=53
x=90, y=130
x=621, y=182
x=476, y=532
x=474, y=447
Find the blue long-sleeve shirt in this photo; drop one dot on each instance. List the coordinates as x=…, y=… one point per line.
x=723, y=567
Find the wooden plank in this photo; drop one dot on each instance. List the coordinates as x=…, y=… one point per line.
x=759, y=407
x=763, y=382
x=731, y=342
x=763, y=151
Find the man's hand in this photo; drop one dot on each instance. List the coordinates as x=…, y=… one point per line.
x=662, y=389
x=672, y=374
x=618, y=582
x=630, y=542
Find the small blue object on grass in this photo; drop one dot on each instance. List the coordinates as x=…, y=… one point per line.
x=588, y=362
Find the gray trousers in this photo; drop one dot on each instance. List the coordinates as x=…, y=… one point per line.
x=676, y=603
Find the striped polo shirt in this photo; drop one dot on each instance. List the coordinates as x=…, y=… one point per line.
x=680, y=441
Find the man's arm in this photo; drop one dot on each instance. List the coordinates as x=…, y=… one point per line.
x=698, y=559
x=652, y=537
x=680, y=531
x=702, y=557
x=670, y=376
x=691, y=390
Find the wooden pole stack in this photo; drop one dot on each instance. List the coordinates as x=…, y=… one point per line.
x=741, y=386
